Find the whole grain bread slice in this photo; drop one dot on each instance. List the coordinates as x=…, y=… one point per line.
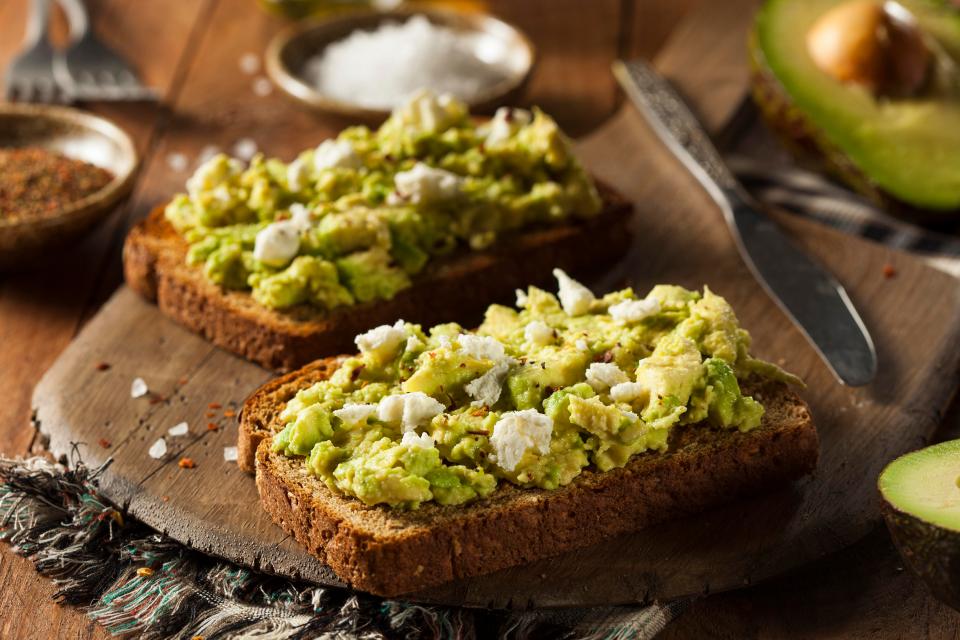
x=390, y=552
x=459, y=287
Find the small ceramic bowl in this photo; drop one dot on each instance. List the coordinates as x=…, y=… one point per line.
x=77, y=135
x=494, y=40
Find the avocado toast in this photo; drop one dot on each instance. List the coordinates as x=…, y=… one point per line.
x=431, y=216
x=445, y=454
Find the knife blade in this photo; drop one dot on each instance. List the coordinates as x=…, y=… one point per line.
x=809, y=295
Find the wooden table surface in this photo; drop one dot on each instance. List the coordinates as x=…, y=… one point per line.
x=190, y=52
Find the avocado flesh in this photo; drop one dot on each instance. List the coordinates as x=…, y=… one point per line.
x=905, y=149
x=921, y=505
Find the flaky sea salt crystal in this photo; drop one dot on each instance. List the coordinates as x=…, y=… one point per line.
x=179, y=429
x=177, y=162
x=262, y=86
x=245, y=148
x=207, y=153
x=384, y=67
x=158, y=449
x=249, y=63
x=138, y=388
x=230, y=454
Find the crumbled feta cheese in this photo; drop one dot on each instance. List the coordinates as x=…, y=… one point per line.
x=445, y=342
x=516, y=432
x=604, y=375
x=626, y=391
x=352, y=414
x=383, y=341
x=179, y=429
x=414, y=441
x=212, y=172
x=138, y=388
x=410, y=410
x=414, y=343
x=300, y=217
x=634, y=310
x=505, y=122
x=521, y=298
x=486, y=389
x=158, y=449
x=298, y=172
x=538, y=333
x=582, y=345
x=574, y=297
x=277, y=243
x=230, y=454
x=481, y=347
x=428, y=112
x=424, y=183
x=631, y=417
x=336, y=154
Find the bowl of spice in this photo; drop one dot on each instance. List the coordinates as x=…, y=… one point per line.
x=61, y=171
x=362, y=65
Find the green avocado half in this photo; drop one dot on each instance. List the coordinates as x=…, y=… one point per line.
x=921, y=504
x=903, y=153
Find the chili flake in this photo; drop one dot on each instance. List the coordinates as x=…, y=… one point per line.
x=35, y=182
x=186, y=463
x=102, y=366
x=103, y=442
x=214, y=405
x=212, y=426
x=229, y=413
x=889, y=271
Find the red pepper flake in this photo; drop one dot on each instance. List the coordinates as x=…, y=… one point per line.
x=889, y=271
x=214, y=405
x=186, y=463
x=156, y=398
x=144, y=572
x=165, y=498
x=210, y=414
x=103, y=442
x=212, y=426
x=229, y=413
x=183, y=381
x=102, y=366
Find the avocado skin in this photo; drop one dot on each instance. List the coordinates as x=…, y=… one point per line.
x=809, y=146
x=931, y=552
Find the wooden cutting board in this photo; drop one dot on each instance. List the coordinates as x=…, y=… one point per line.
x=914, y=318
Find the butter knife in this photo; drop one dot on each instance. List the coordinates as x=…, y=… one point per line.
x=809, y=295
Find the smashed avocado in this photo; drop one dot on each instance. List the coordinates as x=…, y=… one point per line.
x=354, y=219
x=534, y=396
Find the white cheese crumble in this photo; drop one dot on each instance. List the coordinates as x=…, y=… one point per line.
x=212, y=172
x=230, y=454
x=382, y=342
x=634, y=310
x=179, y=429
x=414, y=343
x=604, y=375
x=298, y=172
x=352, y=414
x=631, y=417
x=336, y=154
x=582, y=345
x=138, y=388
x=158, y=449
x=538, y=333
x=626, y=391
x=414, y=441
x=486, y=389
x=424, y=183
x=481, y=347
x=300, y=217
x=277, y=243
x=574, y=297
x=410, y=410
x=521, y=298
x=516, y=432
x=506, y=122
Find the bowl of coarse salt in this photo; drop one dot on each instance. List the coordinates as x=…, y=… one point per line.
x=362, y=65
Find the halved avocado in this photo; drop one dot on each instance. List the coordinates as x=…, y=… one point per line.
x=921, y=504
x=902, y=152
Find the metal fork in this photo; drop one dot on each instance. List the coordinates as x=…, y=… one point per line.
x=30, y=75
x=88, y=69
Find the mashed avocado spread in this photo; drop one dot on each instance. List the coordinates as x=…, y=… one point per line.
x=352, y=220
x=532, y=397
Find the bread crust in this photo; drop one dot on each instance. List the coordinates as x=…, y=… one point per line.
x=457, y=288
x=390, y=552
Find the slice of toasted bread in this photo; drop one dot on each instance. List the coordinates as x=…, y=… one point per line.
x=459, y=287
x=390, y=552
